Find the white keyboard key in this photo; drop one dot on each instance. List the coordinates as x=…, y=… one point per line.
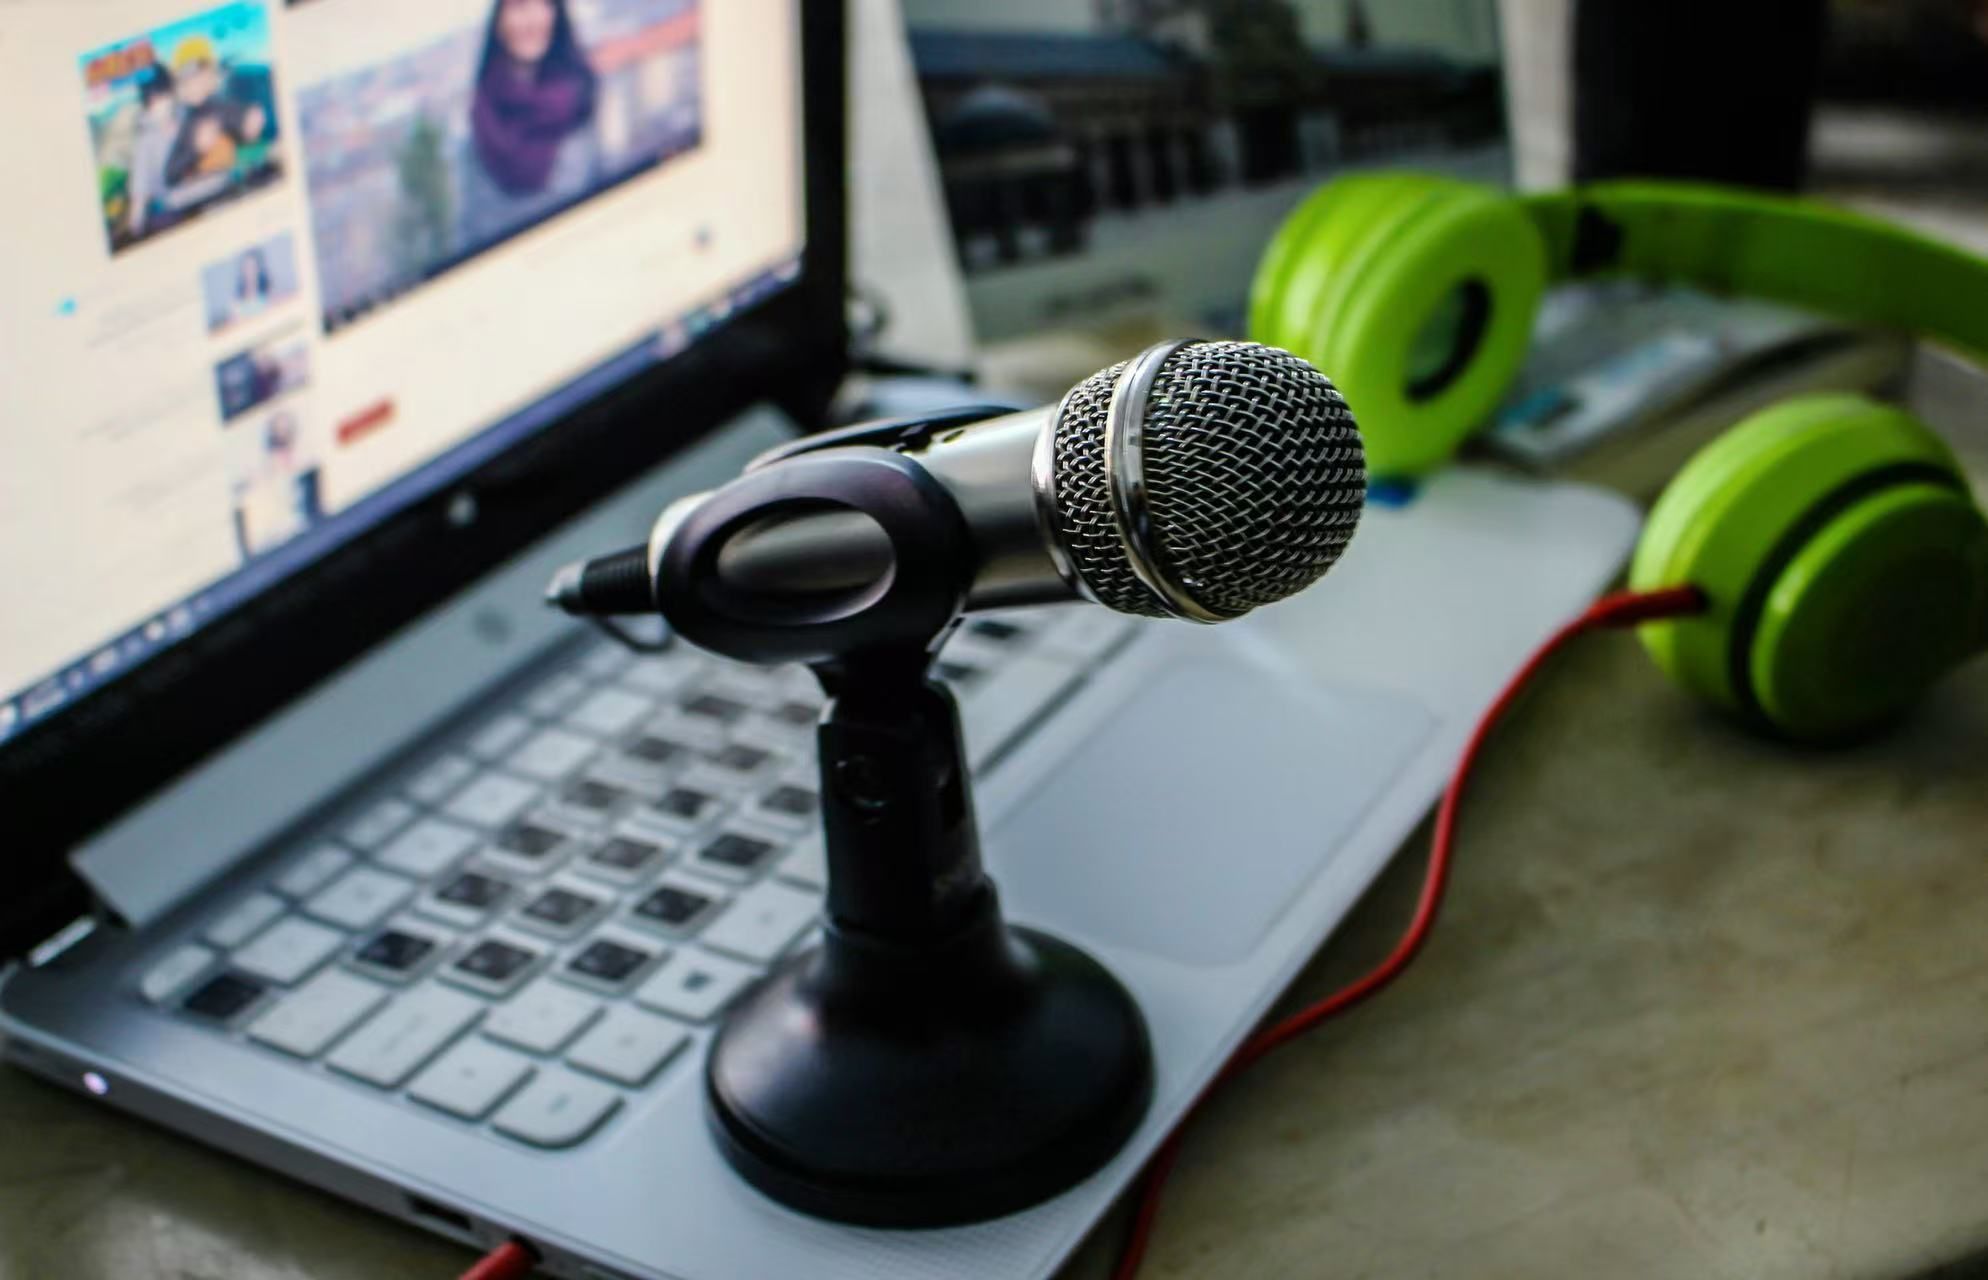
x=762, y=687
x=542, y=1018
x=660, y=675
x=555, y=695
x=313, y=871
x=405, y=1035
x=606, y=659
x=694, y=986
x=699, y=732
x=173, y=974
x=244, y=920
x=1009, y=700
x=471, y=1078
x=807, y=864
x=628, y=1047
x=551, y=754
x=378, y=824
x=360, y=898
x=427, y=848
x=498, y=735
x=317, y=1013
x=1087, y=634
x=492, y=800
x=764, y=922
x=440, y=778
x=288, y=950
x=556, y=1110
x=610, y=712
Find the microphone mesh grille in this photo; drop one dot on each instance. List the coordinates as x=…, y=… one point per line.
x=1255, y=479
x=1083, y=504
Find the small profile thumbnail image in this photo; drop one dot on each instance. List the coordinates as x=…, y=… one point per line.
x=252, y=378
x=273, y=478
x=182, y=118
x=247, y=284
x=438, y=152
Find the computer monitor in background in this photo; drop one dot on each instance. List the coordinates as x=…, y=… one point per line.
x=1119, y=161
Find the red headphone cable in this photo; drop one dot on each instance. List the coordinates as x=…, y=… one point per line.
x=512, y=1260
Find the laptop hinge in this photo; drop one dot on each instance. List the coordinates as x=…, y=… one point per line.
x=41, y=910
x=63, y=941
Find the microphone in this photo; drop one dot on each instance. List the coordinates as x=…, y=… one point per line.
x=1198, y=480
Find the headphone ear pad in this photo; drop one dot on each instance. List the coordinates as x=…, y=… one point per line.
x=1315, y=245
x=1416, y=295
x=1844, y=564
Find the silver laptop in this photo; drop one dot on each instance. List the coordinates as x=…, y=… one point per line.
x=329, y=846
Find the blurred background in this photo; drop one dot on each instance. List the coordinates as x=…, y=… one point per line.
x=1102, y=173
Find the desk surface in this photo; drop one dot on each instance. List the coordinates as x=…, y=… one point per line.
x=1699, y=1007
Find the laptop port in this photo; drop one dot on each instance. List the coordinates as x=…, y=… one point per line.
x=440, y=1215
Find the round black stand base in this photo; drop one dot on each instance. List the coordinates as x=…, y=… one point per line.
x=925, y=1086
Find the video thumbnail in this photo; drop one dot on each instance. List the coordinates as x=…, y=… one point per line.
x=182, y=118
x=423, y=161
x=260, y=374
x=245, y=285
x=273, y=478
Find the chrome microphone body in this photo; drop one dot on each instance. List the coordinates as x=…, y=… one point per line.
x=1197, y=480
x=984, y=467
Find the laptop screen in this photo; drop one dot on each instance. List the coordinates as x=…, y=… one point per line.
x=277, y=270
x=1118, y=166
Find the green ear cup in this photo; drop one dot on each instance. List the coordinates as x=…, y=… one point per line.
x=1312, y=247
x=1844, y=565
x=1416, y=295
x=1874, y=608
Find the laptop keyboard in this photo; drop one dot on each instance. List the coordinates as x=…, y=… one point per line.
x=525, y=928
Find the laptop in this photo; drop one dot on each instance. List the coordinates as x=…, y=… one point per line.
x=329, y=846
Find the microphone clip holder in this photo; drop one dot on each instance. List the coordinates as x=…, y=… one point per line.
x=927, y=1064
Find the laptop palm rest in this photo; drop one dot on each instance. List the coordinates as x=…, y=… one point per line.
x=1186, y=823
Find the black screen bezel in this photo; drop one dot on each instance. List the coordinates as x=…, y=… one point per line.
x=78, y=772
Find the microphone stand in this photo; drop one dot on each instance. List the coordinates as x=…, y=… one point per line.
x=928, y=1064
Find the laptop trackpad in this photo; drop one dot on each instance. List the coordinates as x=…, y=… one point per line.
x=1186, y=823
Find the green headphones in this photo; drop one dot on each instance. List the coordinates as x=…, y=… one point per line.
x=1843, y=560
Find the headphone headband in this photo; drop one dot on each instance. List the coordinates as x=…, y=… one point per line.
x=1764, y=246
x=1842, y=561
x=1419, y=292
